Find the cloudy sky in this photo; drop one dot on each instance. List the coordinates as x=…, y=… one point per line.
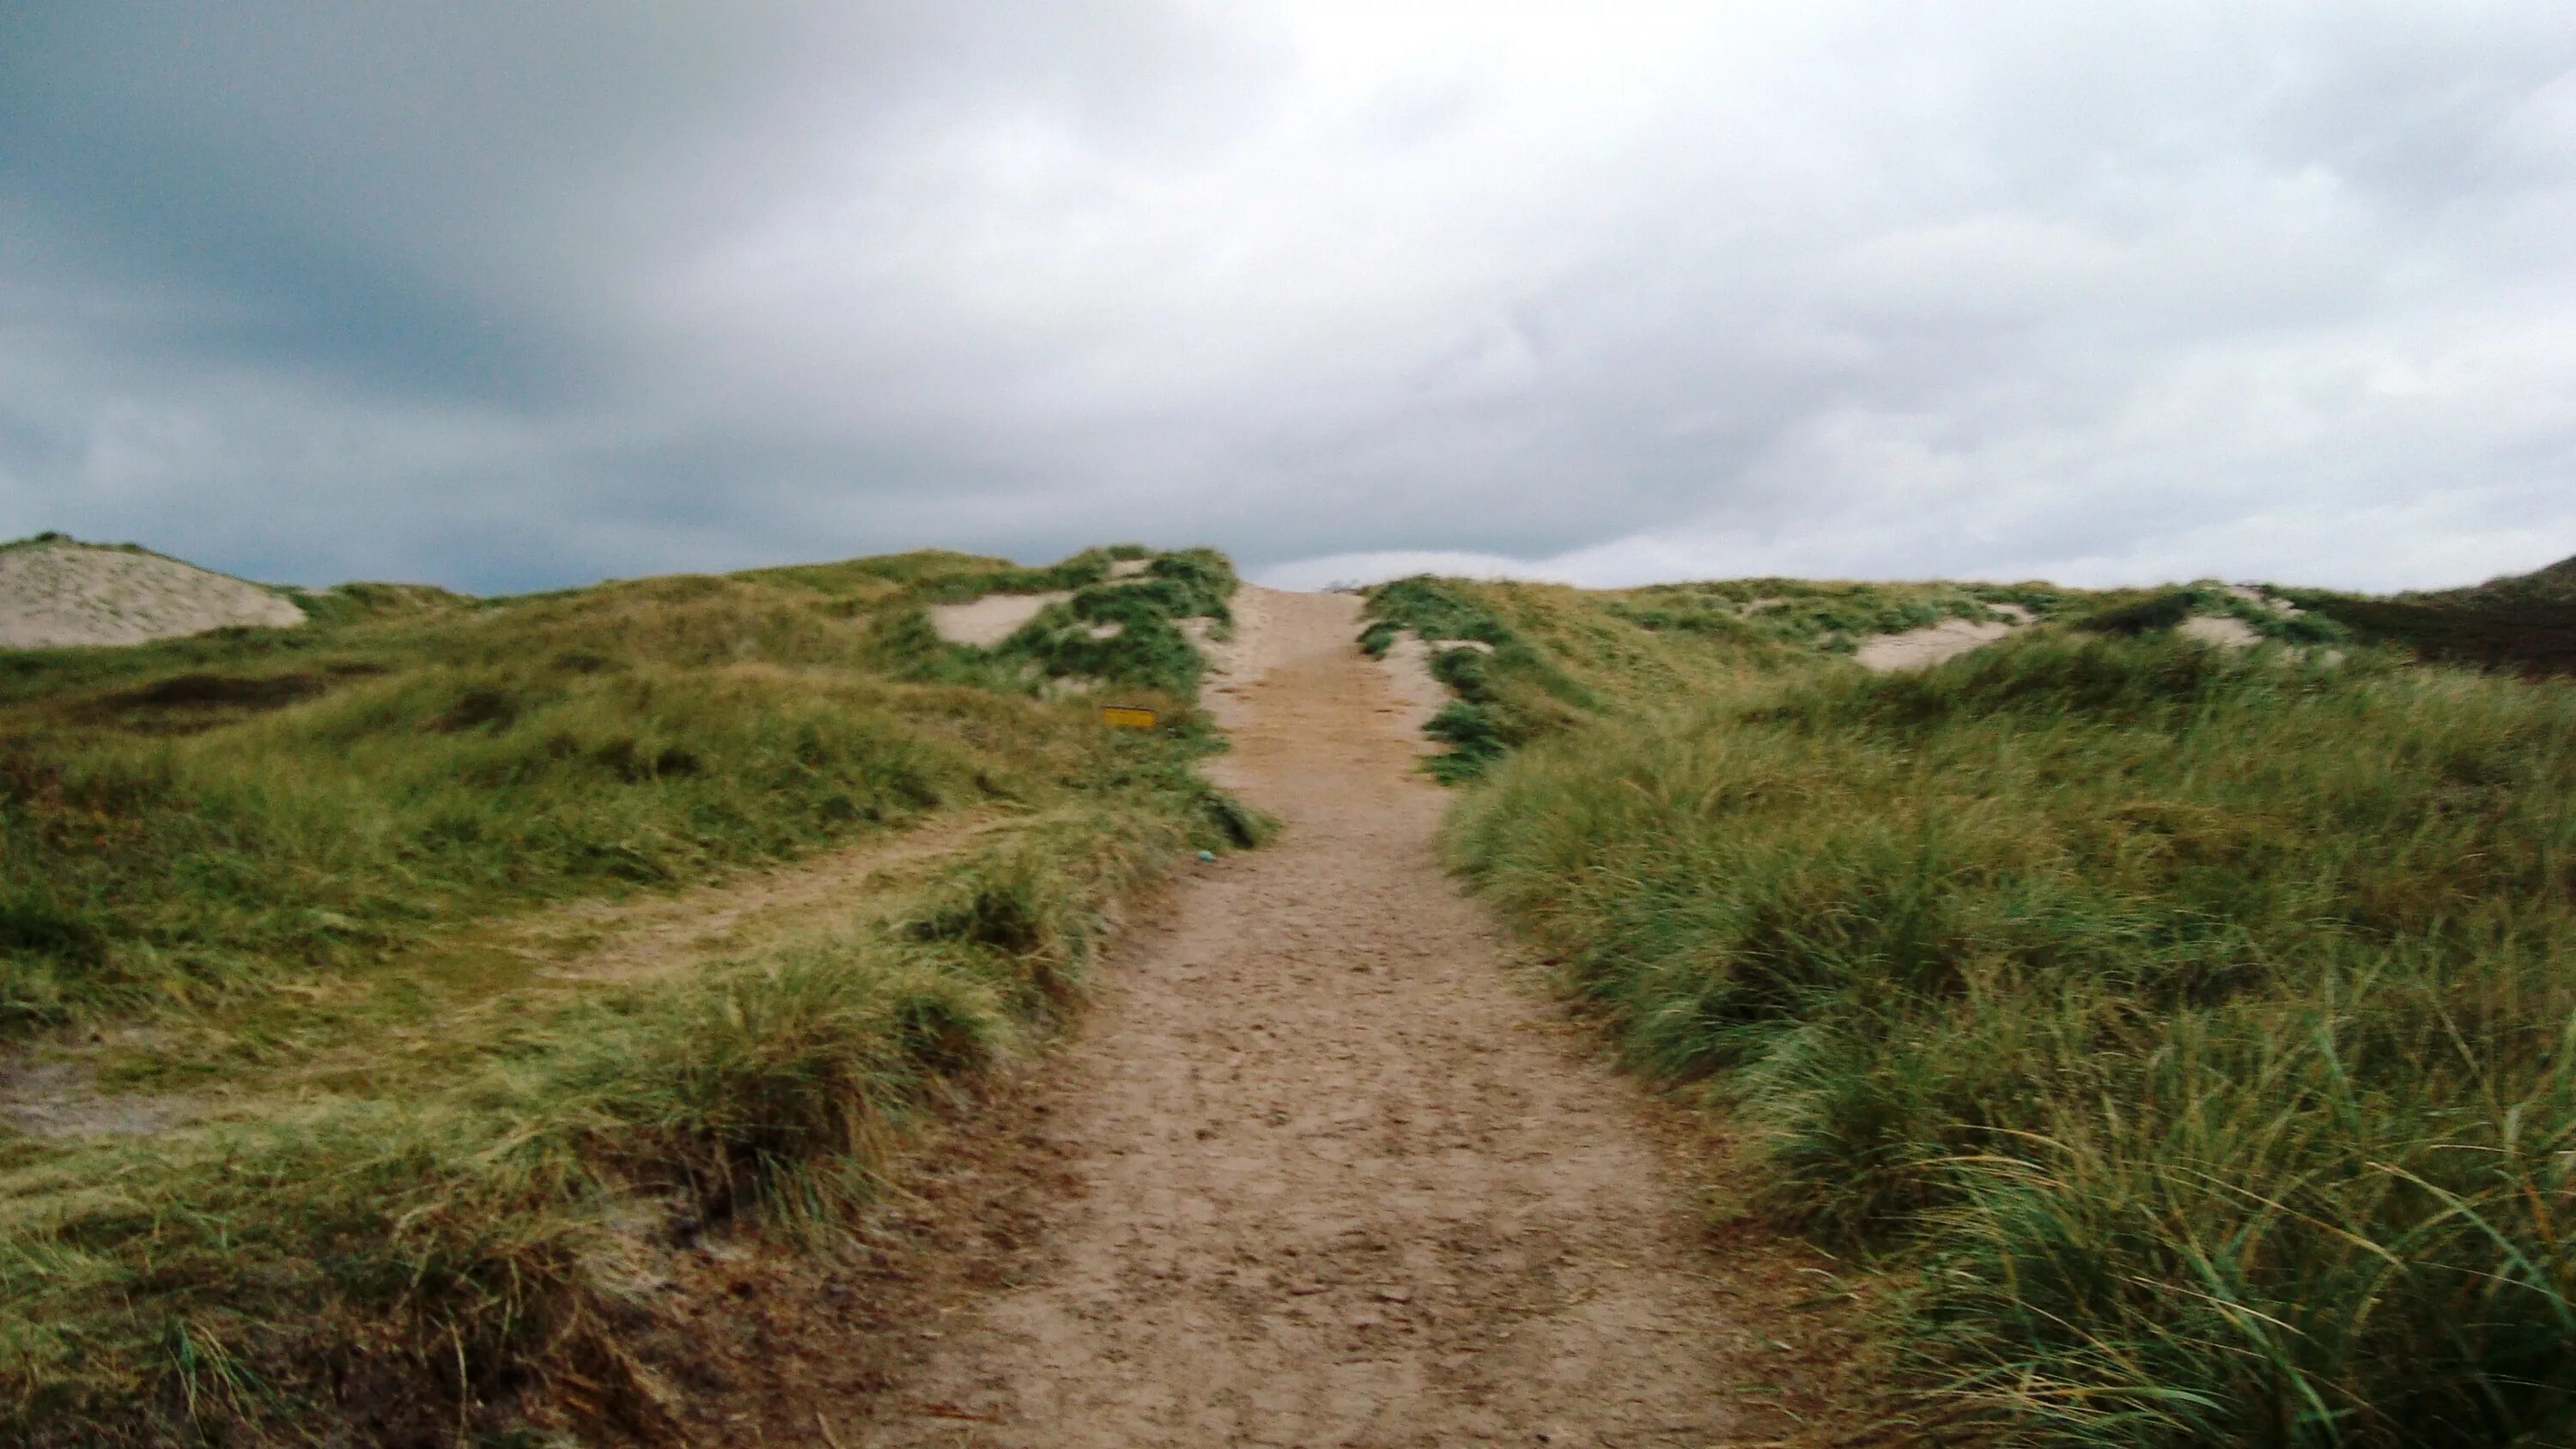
x=504, y=295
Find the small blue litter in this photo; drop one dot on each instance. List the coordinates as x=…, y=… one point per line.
x=1208, y=855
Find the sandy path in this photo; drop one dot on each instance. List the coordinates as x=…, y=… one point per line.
x=1343, y=1183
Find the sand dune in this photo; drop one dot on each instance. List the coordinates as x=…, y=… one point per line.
x=59, y=593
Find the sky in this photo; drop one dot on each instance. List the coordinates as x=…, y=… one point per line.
x=505, y=296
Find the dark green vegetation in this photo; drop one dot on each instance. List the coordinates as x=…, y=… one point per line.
x=2188, y=1036
x=1128, y=632
x=50, y=536
x=1508, y=693
x=2536, y=638
x=1781, y=618
x=2525, y=623
x=274, y=861
x=1559, y=657
x=2165, y=608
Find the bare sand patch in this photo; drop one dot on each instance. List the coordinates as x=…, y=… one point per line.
x=66, y=594
x=995, y=617
x=2224, y=630
x=2230, y=632
x=1247, y=653
x=1416, y=693
x=991, y=619
x=1922, y=648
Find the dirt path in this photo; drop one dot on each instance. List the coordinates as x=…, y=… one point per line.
x=1343, y=1182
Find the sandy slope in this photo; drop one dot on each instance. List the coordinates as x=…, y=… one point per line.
x=1338, y=1179
x=54, y=595
x=1922, y=648
x=991, y=619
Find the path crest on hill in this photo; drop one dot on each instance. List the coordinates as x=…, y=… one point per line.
x=1345, y=1181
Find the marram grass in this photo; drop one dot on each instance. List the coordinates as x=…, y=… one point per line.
x=378, y=1262
x=2193, y=1034
x=273, y=863
x=182, y=824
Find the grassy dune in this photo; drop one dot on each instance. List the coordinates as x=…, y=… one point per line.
x=185, y=820
x=2190, y=1037
x=230, y=858
x=1558, y=658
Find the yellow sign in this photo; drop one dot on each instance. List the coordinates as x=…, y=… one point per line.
x=1127, y=717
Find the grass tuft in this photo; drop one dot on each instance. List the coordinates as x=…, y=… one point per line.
x=1128, y=633
x=2189, y=1030
x=2163, y=609
x=418, y=1207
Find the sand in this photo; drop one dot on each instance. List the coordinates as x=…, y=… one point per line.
x=1416, y=695
x=991, y=619
x=58, y=595
x=1922, y=648
x=2229, y=632
x=1334, y=1176
x=995, y=617
x=2224, y=630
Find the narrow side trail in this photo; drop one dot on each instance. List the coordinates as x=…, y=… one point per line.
x=1344, y=1182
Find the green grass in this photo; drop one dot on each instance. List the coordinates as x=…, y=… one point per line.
x=2523, y=624
x=1147, y=648
x=2164, y=608
x=1505, y=697
x=50, y=537
x=273, y=862
x=1560, y=658
x=186, y=821
x=2533, y=636
x=2190, y=1036
x=386, y=1262
x=1783, y=619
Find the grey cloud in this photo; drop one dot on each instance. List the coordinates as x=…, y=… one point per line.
x=507, y=296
